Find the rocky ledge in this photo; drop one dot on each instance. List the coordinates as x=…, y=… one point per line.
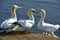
x=25, y=36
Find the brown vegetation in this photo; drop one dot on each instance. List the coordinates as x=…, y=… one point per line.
x=24, y=36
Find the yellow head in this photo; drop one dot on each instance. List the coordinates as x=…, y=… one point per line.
x=43, y=13
x=30, y=12
x=13, y=9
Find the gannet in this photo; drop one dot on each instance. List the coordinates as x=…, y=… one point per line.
x=7, y=24
x=47, y=27
x=27, y=24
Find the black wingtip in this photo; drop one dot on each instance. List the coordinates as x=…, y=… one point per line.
x=59, y=29
x=16, y=23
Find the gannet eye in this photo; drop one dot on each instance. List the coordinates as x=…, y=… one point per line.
x=33, y=11
x=43, y=13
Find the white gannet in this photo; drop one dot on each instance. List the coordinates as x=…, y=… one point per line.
x=46, y=27
x=27, y=24
x=7, y=24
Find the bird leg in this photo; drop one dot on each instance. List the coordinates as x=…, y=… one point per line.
x=51, y=34
x=45, y=33
x=15, y=27
x=12, y=29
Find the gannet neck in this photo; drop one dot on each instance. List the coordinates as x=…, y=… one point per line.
x=30, y=14
x=13, y=10
x=43, y=14
x=41, y=21
x=32, y=17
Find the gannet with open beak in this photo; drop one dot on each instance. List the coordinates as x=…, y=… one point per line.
x=47, y=27
x=7, y=24
x=27, y=24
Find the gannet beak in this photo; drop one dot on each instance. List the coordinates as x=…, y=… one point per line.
x=36, y=11
x=19, y=7
x=39, y=11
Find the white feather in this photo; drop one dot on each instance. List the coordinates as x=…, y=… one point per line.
x=7, y=24
x=28, y=23
x=47, y=27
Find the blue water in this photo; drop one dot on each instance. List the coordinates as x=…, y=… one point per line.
x=51, y=6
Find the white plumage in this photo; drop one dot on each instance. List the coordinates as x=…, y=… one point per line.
x=7, y=24
x=46, y=27
x=27, y=24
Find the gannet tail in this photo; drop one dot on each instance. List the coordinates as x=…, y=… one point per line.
x=59, y=27
x=54, y=35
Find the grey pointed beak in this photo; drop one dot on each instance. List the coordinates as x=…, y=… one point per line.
x=36, y=11
x=19, y=7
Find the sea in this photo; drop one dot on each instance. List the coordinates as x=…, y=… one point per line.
x=52, y=8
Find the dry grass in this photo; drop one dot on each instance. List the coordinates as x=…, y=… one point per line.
x=24, y=36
